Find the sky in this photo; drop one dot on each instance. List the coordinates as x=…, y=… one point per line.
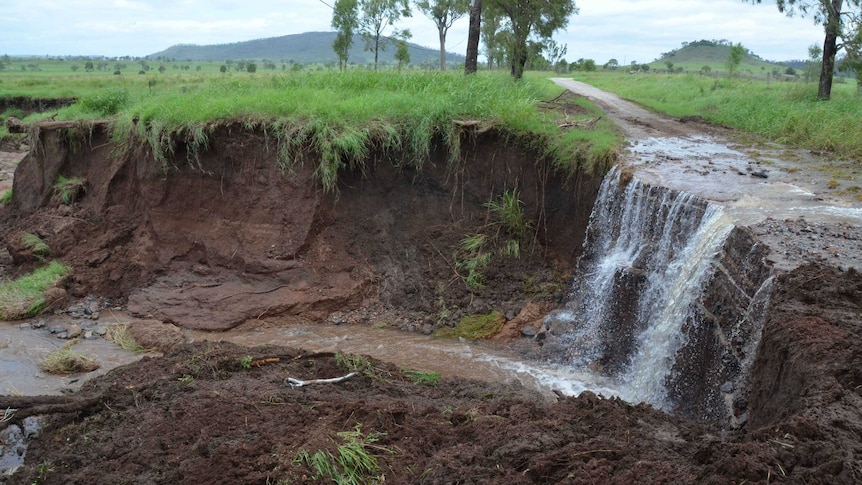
x=626, y=30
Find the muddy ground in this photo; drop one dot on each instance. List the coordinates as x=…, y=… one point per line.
x=241, y=242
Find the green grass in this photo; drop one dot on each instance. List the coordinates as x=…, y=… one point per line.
x=25, y=297
x=342, y=119
x=36, y=244
x=68, y=188
x=475, y=327
x=351, y=464
x=6, y=197
x=785, y=112
x=431, y=379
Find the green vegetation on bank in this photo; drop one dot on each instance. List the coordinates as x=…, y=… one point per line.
x=25, y=297
x=342, y=118
x=785, y=112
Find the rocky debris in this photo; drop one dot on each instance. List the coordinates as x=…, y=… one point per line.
x=796, y=241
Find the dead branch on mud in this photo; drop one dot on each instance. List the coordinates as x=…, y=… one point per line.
x=19, y=407
x=300, y=383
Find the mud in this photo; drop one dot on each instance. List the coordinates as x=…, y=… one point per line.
x=209, y=420
x=243, y=241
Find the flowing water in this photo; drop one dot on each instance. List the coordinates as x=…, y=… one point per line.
x=649, y=249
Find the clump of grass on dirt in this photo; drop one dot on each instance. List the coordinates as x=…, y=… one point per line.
x=37, y=245
x=6, y=197
x=431, y=379
x=475, y=327
x=351, y=464
x=25, y=297
x=67, y=361
x=120, y=335
x=68, y=189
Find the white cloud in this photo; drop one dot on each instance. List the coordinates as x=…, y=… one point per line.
x=622, y=29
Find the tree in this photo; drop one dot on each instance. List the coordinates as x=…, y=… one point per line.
x=612, y=64
x=376, y=17
x=815, y=58
x=251, y=67
x=537, y=17
x=345, y=22
x=669, y=66
x=853, y=48
x=830, y=13
x=402, y=54
x=734, y=58
x=494, y=39
x=471, y=63
x=443, y=13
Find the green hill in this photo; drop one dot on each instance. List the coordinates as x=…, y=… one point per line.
x=310, y=47
x=693, y=56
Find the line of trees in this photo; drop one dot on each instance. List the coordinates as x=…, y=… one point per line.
x=514, y=31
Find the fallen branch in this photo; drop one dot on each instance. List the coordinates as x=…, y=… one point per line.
x=300, y=383
x=20, y=407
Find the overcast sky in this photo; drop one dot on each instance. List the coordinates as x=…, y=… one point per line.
x=627, y=30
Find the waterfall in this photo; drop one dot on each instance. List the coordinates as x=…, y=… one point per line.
x=648, y=255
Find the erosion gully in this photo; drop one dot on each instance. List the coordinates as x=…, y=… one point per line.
x=697, y=191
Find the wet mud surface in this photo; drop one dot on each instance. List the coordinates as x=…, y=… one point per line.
x=203, y=414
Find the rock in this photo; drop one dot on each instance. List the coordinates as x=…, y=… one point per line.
x=74, y=331
x=528, y=332
x=726, y=387
x=427, y=329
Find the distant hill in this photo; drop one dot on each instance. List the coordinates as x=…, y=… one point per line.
x=694, y=55
x=310, y=47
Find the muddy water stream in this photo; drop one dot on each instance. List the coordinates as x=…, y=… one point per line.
x=22, y=348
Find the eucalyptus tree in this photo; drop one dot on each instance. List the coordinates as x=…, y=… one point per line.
x=525, y=18
x=345, y=21
x=443, y=13
x=832, y=14
x=471, y=63
x=375, y=18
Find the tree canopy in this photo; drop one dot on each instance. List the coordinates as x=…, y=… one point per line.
x=376, y=17
x=345, y=22
x=443, y=13
x=539, y=18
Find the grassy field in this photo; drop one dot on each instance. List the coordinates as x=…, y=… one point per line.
x=786, y=112
x=342, y=116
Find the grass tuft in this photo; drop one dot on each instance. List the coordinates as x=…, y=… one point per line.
x=120, y=335
x=351, y=464
x=67, y=361
x=37, y=245
x=431, y=379
x=69, y=189
x=475, y=327
x=6, y=197
x=25, y=297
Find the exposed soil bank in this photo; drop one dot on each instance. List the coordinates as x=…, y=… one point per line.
x=234, y=236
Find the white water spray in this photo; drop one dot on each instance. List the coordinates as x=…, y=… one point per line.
x=665, y=242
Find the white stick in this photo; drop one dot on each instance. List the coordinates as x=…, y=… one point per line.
x=299, y=383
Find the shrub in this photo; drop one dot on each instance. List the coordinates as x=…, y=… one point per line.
x=106, y=103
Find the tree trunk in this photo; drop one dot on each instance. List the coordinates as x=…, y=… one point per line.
x=833, y=25
x=442, y=49
x=472, y=62
x=519, y=57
